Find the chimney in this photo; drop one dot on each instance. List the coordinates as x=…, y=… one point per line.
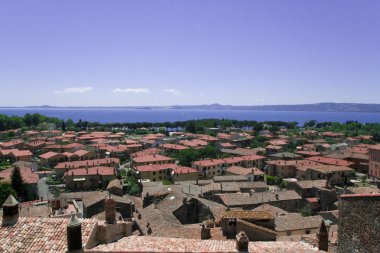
x=110, y=210
x=74, y=234
x=242, y=242
x=148, y=229
x=205, y=232
x=323, y=237
x=10, y=211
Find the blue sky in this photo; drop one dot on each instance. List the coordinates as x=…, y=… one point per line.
x=115, y=53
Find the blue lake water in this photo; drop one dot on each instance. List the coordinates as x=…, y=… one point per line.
x=161, y=115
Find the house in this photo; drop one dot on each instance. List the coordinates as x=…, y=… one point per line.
x=257, y=225
x=305, y=188
x=60, y=168
x=13, y=144
x=285, y=156
x=288, y=169
x=194, y=143
x=288, y=200
x=72, y=147
x=170, y=171
x=374, y=162
x=336, y=175
x=151, y=159
x=89, y=178
x=51, y=159
x=294, y=224
x=256, y=186
x=34, y=146
x=21, y=155
x=242, y=151
x=272, y=149
x=172, y=148
x=306, y=153
x=115, y=187
x=253, y=174
x=215, y=167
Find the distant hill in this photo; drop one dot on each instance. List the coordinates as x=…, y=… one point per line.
x=319, y=107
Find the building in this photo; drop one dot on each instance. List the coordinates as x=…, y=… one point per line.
x=61, y=168
x=170, y=171
x=253, y=174
x=374, y=161
x=39, y=234
x=151, y=159
x=29, y=178
x=288, y=200
x=89, y=178
x=50, y=159
x=216, y=167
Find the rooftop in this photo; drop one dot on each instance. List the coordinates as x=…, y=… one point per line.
x=159, y=244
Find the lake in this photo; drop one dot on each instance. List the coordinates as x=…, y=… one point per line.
x=109, y=115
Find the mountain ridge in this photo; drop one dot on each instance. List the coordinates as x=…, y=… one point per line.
x=316, y=107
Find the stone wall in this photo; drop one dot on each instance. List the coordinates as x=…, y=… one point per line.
x=359, y=223
x=107, y=233
x=254, y=232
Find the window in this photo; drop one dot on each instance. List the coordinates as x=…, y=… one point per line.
x=307, y=232
x=288, y=232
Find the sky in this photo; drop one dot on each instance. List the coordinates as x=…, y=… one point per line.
x=126, y=53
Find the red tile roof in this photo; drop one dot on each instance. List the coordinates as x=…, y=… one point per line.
x=27, y=175
x=148, y=151
x=230, y=160
x=34, y=235
x=49, y=155
x=87, y=163
x=237, y=170
x=21, y=153
x=328, y=160
x=104, y=171
x=157, y=167
x=173, y=146
x=151, y=158
x=163, y=244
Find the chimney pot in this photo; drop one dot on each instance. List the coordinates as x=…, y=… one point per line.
x=242, y=241
x=205, y=232
x=74, y=234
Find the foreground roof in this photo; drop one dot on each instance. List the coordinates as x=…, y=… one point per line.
x=160, y=244
x=34, y=235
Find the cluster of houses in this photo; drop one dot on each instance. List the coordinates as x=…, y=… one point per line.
x=291, y=198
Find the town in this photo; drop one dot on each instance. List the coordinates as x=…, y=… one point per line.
x=228, y=187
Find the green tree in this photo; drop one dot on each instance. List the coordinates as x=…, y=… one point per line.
x=191, y=127
x=70, y=125
x=306, y=211
x=63, y=126
x=17, y=182
x=310, y=123
x=187, y=156
x=6, y=190
x=135, y=190
x=28, y=119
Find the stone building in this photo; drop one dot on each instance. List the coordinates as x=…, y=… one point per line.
x=374, y=161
